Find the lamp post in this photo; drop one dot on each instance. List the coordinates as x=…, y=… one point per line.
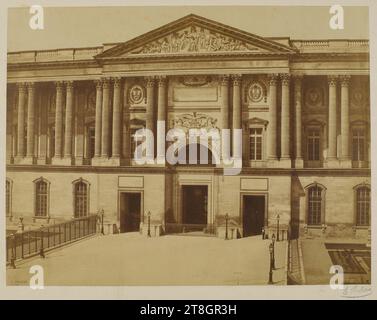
x=149, y=224
x=277, y=217
x=273, y=251
x=226, y=226
x=270, y=273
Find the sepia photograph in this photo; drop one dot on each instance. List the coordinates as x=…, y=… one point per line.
x=187, y=146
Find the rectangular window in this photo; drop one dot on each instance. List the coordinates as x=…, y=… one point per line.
x=358, y=145
x=41, y=200
x=363, y=207
x=92, y=141
x=256, y=143
x=314, y=145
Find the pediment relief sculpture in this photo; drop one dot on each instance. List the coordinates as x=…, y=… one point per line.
x=194, y=121
x=194, y=39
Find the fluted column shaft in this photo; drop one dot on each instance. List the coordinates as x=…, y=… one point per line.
x=237, y=114
x=285, y=116
x=237, y=102
x=161, y=116
x=30, y=120
x=272, y=127
x=105, y=119
x=58, y=120
x=332, y=118
x=149, y=123
x=68, y=120
x=225, y=101
x=344, y=125
x=98, y=122
x=116, y=118
x=298, y=115
x=21, y=120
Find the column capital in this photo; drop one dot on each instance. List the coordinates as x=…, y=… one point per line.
x=69, y=85
x=345, y=80
x=332, y=80
x=162, y=81
x=21, y=86
x=106, y=83
x=30, y=86
x=150, y=81
x=98, y=84
x=224, y=79
x=272, y=78
x=297, y=78
x=285, y=79
x=117, y=82
x=237, y=79
x=59, y=85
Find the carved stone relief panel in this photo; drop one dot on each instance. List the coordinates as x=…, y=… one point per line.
x=314, y=95
x=194, y=39
x=193, y=120
x=194, y=91
x=255, y=93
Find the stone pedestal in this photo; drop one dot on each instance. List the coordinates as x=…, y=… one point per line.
x=331, y=163
x=285, y=163
x=345, y=163
x=61, y=161
x=299, y=163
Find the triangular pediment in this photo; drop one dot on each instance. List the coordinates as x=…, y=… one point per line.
x=195, y=35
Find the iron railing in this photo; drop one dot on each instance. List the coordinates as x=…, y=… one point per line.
x=33, y=242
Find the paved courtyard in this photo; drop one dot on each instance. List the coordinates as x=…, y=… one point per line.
x=130, y=259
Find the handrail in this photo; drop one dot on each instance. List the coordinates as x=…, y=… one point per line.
x=33, y=242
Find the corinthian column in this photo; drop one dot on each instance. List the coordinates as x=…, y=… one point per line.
x=105, y=119
x=116, y=119
x=30, y=123
x=161, y=118
x=285, y=117
x=58, y=120
x=344, y=125
x=21, y=121
x=298, y=112
x=98, y=122
x=332, y=148
x=237, y=145
x=68, y=121
x=225, y=113
x=149, y=117
x=272, y=137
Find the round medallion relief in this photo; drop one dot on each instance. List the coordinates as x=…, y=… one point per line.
x=357, y=96
x=255, y=92
x=314, y=97
x=136, y=94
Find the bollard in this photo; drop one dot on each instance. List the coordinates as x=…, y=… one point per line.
x=102, y=217
x=149, y=224
x=226, y=226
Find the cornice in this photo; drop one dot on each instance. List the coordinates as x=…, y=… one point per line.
x=364, y=172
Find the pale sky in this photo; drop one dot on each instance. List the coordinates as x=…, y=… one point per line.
x=92, y=26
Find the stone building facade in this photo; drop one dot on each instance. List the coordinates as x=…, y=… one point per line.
x=303, y=107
